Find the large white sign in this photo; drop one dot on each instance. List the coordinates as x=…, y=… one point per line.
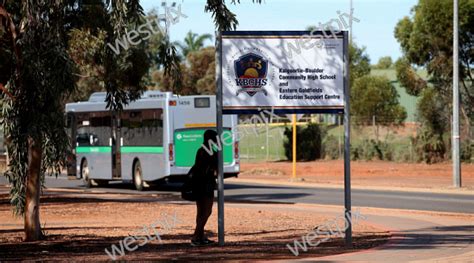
x=283, y=70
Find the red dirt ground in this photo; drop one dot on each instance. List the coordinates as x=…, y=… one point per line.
x=81, y=226
x=364, y=174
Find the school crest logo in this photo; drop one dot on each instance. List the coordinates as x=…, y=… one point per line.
x=251, y=74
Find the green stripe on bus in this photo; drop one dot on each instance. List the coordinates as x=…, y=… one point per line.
x=141, y=149
x=93, y=149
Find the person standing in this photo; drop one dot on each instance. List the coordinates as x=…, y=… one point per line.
x=203, y=185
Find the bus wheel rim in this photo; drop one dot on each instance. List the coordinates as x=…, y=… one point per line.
x=138, y=177
x=86, y=172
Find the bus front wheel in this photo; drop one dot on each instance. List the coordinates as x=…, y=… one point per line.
x=85, y=174
x=138, y=176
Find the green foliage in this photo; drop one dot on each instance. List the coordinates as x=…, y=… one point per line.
x=408, y=78
x=359, y=62
x=331, y=147
x=467, y=151
x=430, y=109
x=224, y=19
x=308, y=142
x=197, y=75
x=163, y=55
x=427, y=40
x=193, y=42
x=85, y=49
x=372, y=150
x=87, y=15
x=376, y=96
x=384, y=63
x=430, y=144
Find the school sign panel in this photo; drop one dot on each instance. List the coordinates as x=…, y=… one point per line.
x=287, y=71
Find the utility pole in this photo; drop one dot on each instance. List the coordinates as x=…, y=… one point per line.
x=350, y=23
x=455, y=142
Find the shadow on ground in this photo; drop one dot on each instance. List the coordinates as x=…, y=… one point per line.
x=172, y=247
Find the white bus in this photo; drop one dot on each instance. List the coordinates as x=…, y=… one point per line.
x=154, y=137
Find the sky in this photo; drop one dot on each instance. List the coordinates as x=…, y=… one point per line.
x=374, y=30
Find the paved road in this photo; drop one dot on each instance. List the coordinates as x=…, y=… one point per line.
x=258, y=193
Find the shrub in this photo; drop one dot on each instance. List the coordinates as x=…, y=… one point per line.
x=308, y=142
x=372, y=150
x=429, y=144
x=331, y=147
x=467, y=151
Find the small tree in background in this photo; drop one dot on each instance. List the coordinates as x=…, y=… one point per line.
x=384, y=63
x=192, y=42
x=308, y=142
x=198, y=75
x=430, y=144
x=426, y=40
x=359, y=62
x=376, y=96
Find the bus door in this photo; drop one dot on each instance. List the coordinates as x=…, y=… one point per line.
x=115, y=142
x=94, y=144
x=71, y=156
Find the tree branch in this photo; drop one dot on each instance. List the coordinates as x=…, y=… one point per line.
x=10, y=25
x=6, y=91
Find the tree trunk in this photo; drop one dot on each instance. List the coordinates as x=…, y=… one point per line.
x=33, y=189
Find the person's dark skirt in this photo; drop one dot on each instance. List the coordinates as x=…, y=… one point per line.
x=204, y=188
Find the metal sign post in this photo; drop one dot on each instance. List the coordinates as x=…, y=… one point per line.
x=347, y=146
x=220, y=157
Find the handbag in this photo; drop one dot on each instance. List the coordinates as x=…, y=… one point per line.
x=187, y=188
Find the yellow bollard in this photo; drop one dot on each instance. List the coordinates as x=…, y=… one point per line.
x=294, y=146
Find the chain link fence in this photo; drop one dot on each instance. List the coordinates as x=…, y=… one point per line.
x=371, y=138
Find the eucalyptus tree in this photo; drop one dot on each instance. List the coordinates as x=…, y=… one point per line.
x=37, y=74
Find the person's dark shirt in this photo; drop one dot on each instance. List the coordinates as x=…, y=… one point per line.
x=205, y=165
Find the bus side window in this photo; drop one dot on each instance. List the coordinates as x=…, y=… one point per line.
x=82, y=132
x=100, y=128
x=142, y=128
x=153, y=124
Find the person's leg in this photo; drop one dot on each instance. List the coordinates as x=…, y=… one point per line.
x=199, y=230
x=207, y=210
